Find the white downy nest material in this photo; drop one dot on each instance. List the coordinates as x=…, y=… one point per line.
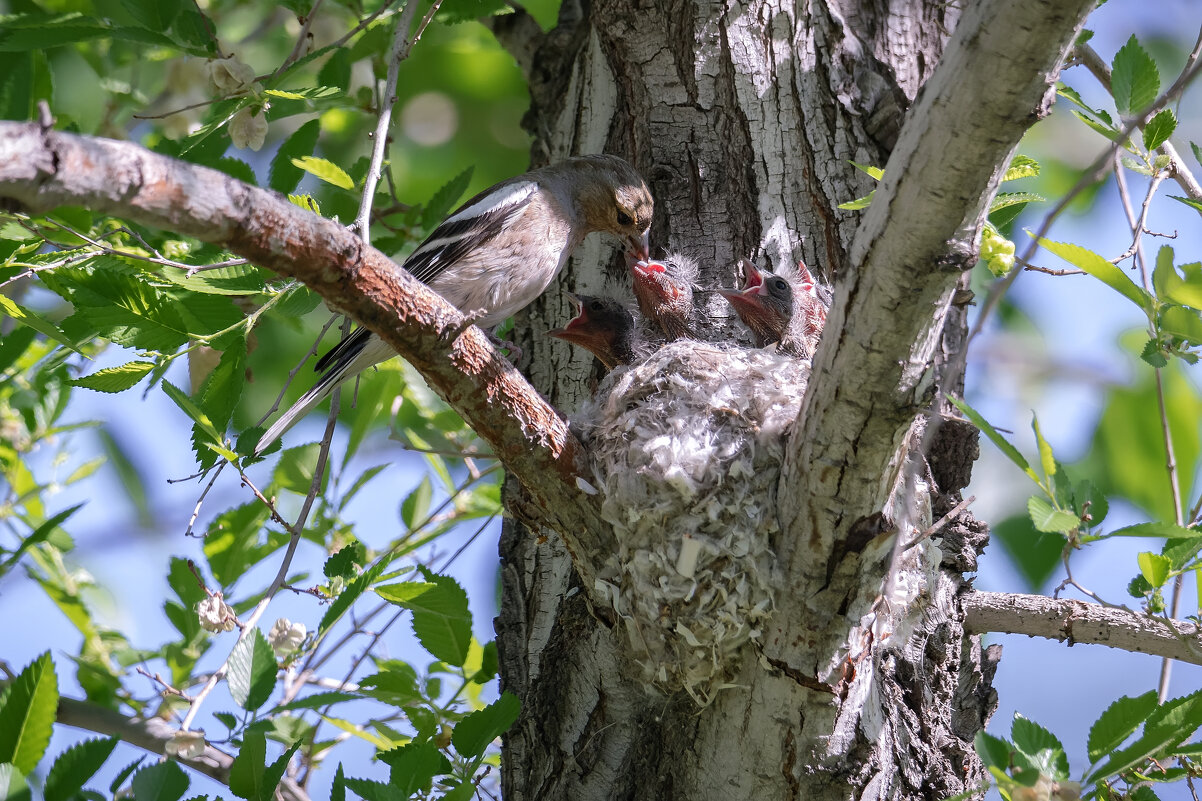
x=687, y=449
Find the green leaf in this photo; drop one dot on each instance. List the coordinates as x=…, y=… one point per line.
x=317, y=700
x=250, y=777
x=28, y=32
x=1021, y=167
x=444, y=199
x=858, y=203
x=295, y=470
x=41, y=534
x=252, y=671
x=16, y=88
x=338, y=787
x=1048, y=519
x=1166, y=726
x=876, y=173
x=474, y=732
x=191, y=409
x=165, y=781
x=456, y=11
x=115, y=379
x=1006, y=199
x=376, y=791
x=283, y=174
x=13, y=786
x=1047, y=459
x=348, y=596
x=1167, y=530
x=1154, y=568
x=396, y=686
x=993, y=751
x=75, y=766
x=414, y=766
x=237, y=539
x=441, y=619
x=1118, y=722
x=27, y=709
x=416, y=505
x=1101, y=269
x=325, y=170
x=236, y=279
x=34, y=321
x=1005, y=447
x=1134, y=79
x=336, y=71
x=1182, y=322
x=1108, y=131
x=1159, y=129
x=310, y=93
x=1041, y=746
x=1189, y=201
x=222, y=388
x=1197, y=152
x=342, y=564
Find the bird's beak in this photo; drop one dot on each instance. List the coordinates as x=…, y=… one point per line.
x=640, y=246
x=575, y=322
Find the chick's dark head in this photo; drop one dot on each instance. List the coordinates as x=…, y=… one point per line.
x=603, y=326
x=765, y=303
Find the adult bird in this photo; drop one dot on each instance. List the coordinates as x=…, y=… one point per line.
x=499, y=251
x=604, y=327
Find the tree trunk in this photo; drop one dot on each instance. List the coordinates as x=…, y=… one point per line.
x=744, y=119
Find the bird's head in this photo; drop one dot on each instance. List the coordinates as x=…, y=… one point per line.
x=615, y=199
x=603, y=326
x=765, y=303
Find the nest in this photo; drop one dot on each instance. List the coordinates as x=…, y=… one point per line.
x=687, y=447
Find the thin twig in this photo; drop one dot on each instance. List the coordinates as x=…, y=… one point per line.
x=306, y=24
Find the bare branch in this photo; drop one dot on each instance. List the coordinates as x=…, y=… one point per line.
x=1079, y=622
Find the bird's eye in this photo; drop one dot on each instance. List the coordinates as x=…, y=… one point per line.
x=624, y=218
x=595, y=306
x=780, y=284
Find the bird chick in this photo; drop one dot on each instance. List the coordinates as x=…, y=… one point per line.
x=664, y=290
x=604, y=327
x=765, y=304
x=499, y=251
x=785, y=309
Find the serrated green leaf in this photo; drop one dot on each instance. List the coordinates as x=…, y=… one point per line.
x=993, y=751
x=1189, y=201
x=342, y=564
x=1166, y=726
x=222, y=388
x=441, y=619
x=338, y=787
x=1154, y=568
x=27, y=710
x=327, y=171
x=416, y=505
x=295, y=469
x=1044, y=749
x=237, y=539
x=165, y=781
x=235, y=168
x=1007, y=199
x=1021, y=167
x=1134, y=79
x=1003, y=445
x=1101, y=269
x=236, y=279
x=396, y=686
x=414, y=766
x=1159, y=128
x=376, y=791
x=1183, y=322
x=29, y=32
x=35, y=321
x=1047, y=459
x=283, y=174
x=348, y=596
x=474, y=732
x=250, y=777
x=445, y=198
x=252, y=671
x=114, y=379
x=1118, y=722
x=1048, y=519
x=311, y=93
x=73, y=767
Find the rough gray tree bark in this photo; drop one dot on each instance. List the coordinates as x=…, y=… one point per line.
x=744, y=118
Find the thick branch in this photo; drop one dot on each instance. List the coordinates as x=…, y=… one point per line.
x=1079, y=622
x=915, y=241
x=42, y=170
x=153, y=734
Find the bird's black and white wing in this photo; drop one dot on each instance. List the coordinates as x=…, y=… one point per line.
x=470, y=227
